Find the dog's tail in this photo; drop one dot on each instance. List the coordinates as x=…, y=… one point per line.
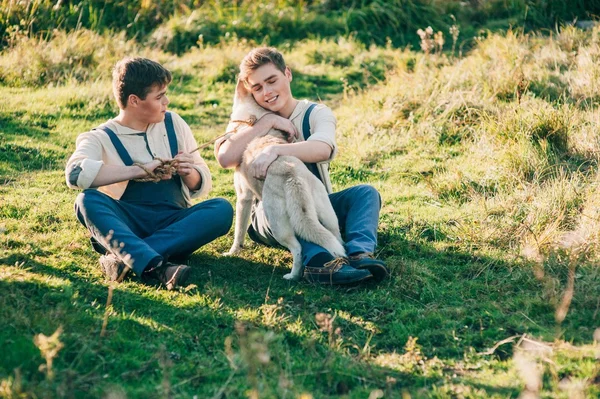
x=301, y=209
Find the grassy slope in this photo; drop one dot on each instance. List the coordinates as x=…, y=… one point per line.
x=478, y=189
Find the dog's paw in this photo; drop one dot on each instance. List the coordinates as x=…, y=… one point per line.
x=291, y=277
x=231, y=252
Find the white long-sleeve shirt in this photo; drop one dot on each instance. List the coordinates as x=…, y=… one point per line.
x=94, y=149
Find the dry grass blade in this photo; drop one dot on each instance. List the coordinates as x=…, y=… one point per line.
x=498, y=344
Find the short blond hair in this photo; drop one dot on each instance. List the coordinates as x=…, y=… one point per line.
x=258, y=57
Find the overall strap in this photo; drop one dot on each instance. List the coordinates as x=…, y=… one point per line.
x=171, y=134
x=306, y=133
x=118, y=146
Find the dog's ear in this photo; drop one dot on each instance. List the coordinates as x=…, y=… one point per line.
x=240, y=90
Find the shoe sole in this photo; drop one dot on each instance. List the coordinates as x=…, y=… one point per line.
x=356, y=280
x=379, y=272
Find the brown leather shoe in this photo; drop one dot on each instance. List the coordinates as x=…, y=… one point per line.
x=335, y=272
x=113, y=268
x=170, y=274
x=367, y=261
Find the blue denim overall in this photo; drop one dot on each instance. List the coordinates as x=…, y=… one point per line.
x=151, y=221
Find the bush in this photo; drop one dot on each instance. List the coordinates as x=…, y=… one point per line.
x=259, y=22
x=80, y=56
x=177, y=25
x=39, y=17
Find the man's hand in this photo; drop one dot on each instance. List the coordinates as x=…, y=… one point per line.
x=184, y=163
x=261, y=163
x=284, y=125
x=229, y=152
x=152, y=165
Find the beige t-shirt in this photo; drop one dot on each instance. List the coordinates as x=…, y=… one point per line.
x=322, y=128
x=94, y=149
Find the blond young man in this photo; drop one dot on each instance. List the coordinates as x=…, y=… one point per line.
x=311, y=129
x=141, y=225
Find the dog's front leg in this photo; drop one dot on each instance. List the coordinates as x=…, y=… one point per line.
x=297, y=266
x=243, y=208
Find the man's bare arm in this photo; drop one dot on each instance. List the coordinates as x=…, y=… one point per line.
x=229, y=152
x=109, y=174
x=311, y=151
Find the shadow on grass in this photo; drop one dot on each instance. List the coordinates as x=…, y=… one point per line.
x=466, y=301
x=29, y=155
x=142, y=322
x=315, y=87
x=22, y=158
x=452, y=301
x=140, y=355
x=12, y=125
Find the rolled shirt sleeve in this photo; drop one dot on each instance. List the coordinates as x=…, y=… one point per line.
x=190, y=144
x=206, y=185
x=85, y=163
x=323, y=125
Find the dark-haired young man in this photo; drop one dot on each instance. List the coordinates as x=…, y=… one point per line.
x=265, y=73
x=143, y=225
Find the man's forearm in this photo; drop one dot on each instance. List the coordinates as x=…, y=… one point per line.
x=307, y=151
x=229, y=152
x=193, y=181
x=110, y=174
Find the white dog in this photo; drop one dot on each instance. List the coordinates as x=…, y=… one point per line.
x=294, y=200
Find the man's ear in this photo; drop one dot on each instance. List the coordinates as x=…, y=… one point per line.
x=133, y=100
x=288, y=73
x=240, y=89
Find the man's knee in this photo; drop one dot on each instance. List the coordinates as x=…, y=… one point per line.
x=225, y=210
x=367, y=192
x=90, y=197
x=221, y=214
x=87, y=200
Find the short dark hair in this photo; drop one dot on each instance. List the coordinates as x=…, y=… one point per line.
x=258, y=57
x=137, y=76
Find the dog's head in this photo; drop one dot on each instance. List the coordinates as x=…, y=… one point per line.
x=244, y=105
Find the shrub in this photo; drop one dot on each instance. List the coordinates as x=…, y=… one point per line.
x=177, y=25
x=80, y=56
x=261, y=22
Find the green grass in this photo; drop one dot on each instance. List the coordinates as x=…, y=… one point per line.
x=483, y=177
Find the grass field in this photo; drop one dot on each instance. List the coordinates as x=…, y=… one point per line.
x=488, y=169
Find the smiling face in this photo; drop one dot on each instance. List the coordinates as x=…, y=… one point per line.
x=271, y=89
